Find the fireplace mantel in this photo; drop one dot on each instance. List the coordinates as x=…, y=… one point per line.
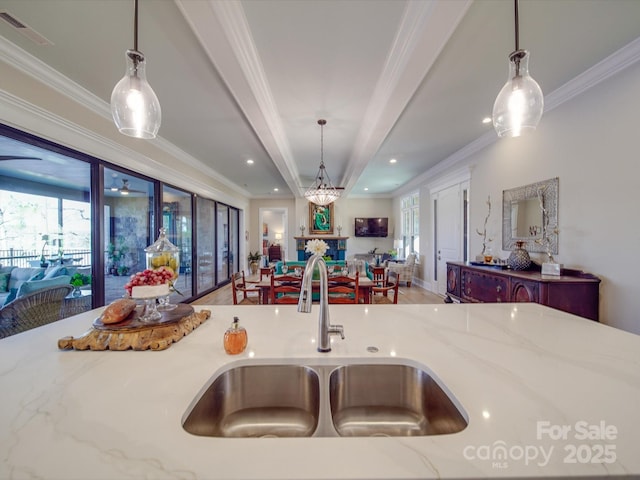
x=337, y=246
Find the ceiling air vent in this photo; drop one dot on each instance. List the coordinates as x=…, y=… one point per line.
x=24, y=29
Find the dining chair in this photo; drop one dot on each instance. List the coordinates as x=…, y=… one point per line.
x=388, y=292
x=266, y=271
x=343, y=289
x=243, y=294
x=285, y=289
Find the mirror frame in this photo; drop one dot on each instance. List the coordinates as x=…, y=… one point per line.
x=548, y=191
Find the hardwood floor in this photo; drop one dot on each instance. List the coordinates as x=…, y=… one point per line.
x=408, y=295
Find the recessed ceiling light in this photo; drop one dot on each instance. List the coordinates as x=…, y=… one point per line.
x=366, y=189
x=276, y=189
x=486, y=120
x=250, y=162
x=393, y=160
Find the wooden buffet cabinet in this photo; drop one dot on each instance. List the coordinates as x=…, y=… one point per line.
x=573, y=292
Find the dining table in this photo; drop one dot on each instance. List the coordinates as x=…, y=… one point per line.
x=364, y=286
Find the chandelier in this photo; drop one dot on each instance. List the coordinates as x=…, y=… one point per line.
x=134, y=105
x=322, y=192
x=518, y=106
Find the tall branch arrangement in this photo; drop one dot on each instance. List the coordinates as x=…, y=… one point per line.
x=544, y=239
x=483, y=233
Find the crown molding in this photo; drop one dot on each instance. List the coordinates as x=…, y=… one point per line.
x=233, y=52
x=424, y=30
x=35, y=120
x=601, y=71
x=26, y=63
x=35, y=68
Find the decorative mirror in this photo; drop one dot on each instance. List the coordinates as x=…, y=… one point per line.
x=530, y=215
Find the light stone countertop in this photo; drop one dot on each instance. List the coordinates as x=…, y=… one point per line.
x=513, y=368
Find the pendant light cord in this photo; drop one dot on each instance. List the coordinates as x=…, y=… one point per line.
x=517, y=53
x=135, y=25
x=321, y=143
x=515, y=7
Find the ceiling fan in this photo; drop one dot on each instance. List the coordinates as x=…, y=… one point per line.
x=124, y=189
x=17, y=157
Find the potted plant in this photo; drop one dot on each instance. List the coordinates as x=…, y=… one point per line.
x=43, y=260
x=254, y=258
x=78, y=280
x=115, y=254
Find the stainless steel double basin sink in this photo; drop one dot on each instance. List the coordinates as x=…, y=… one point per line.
x=310, y=399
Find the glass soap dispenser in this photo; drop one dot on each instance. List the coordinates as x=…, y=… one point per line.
x=235, y=338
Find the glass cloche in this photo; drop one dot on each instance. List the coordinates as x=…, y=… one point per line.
x=163, y=253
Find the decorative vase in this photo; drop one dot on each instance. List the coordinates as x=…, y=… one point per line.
x=519, y=258
x=76, y=291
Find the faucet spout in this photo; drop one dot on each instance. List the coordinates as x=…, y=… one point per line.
x=325, y=329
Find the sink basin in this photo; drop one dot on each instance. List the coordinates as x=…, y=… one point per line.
x=345, y=399
x=390, y=400
x=258, y=401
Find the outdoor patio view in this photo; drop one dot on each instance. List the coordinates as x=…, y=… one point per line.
x=50, y=235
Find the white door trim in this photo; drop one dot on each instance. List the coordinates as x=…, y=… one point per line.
x=461, y=178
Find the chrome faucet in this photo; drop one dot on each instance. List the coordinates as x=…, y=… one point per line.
x=325, y=329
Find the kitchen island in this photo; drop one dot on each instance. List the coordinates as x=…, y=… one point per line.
x=546, y=395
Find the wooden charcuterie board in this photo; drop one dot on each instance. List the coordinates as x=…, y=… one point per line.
x=134, y=334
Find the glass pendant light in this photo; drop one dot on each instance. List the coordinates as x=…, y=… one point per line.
x=322, y=192
x=519, y=105
x=134, y=105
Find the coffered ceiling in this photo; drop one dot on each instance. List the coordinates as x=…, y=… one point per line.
x=248, y=79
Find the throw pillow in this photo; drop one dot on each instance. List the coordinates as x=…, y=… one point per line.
x=7, y=269
x=4, y=282
x=13, y=293
x=54, y=272
x=30, y=287
x=37, y=276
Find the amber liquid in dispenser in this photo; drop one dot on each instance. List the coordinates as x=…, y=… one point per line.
x=235, y=338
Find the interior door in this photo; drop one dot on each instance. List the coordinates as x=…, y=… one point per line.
x=448, y=208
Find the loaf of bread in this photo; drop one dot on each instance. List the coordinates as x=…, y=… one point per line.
x=118, y=310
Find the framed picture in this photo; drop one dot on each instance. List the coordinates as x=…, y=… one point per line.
x=265, y=230
x=320, y=219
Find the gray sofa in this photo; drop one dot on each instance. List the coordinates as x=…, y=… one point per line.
x=18, y=281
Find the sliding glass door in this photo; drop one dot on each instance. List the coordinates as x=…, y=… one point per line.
x=206, y=244
x=177, y=219
x=59, y=207
x=222, y=259
x=128, y=228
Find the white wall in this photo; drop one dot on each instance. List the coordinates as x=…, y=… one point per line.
x=591, y=144
x=349, y=209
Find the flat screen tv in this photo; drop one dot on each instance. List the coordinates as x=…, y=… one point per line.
x=372, y=227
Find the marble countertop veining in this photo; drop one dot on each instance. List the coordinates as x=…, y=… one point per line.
x=547, y=394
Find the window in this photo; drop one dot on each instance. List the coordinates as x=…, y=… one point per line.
x=48, y=210
x=205, y=235
x=410, y=214
x=45, y=217
x=128, y=229
x=177, y=219
x=222, y=227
